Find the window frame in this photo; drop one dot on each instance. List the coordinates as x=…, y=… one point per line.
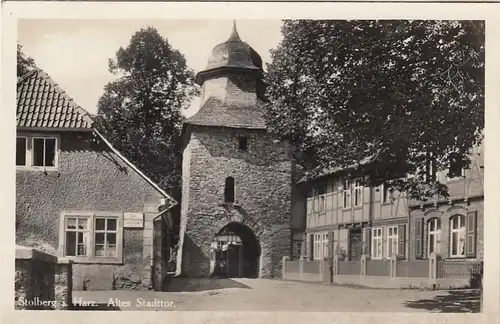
x=346, y=191
x=385, y=194
x=324, y=245
x=91, y=229
x=229, y=190
x=453, y=230
x=358, y=189
x=437, y=233
x=243, y=140
x=26, y=148
x=30, y=139
x=374, y=239
x=393, y=238
x=455, y=177
x=317, y=242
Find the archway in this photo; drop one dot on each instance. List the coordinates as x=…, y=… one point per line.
x=236, y=252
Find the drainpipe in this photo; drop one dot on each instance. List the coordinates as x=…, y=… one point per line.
x=160, y=214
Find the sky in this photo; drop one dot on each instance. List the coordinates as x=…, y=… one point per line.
x=75, y=53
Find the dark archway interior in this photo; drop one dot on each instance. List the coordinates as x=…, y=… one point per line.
x=250, y=248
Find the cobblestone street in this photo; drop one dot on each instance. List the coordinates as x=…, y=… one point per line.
x=274, y=295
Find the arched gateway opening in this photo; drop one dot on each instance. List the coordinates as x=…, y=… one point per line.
x=235, y=252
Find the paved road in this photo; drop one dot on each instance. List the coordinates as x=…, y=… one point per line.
x=275, y=295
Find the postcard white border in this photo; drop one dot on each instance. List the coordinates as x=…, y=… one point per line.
x=12, y=11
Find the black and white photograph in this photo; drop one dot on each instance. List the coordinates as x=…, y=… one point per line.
x=291, y=165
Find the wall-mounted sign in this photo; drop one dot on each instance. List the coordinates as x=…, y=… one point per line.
x=133, y=220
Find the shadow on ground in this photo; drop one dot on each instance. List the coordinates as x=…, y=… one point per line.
x=453, y=301
x=96, y=307
x=203, y=284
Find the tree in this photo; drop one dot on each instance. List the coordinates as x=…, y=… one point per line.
x=391, y=97
x=24, y=63
x=140, y=112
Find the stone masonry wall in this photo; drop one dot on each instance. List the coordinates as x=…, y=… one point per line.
x=42, y=281
x=262, y=190
x=90, y=177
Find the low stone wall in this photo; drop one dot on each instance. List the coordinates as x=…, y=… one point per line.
x=394, y=273
x=42, y=281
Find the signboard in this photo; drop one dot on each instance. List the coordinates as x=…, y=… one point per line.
x=133, y=220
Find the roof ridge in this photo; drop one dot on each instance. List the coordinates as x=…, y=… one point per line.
x=26, y=75
x=78, y=109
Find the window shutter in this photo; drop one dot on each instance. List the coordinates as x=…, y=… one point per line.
x=402, y=240
x=367, y=240
x=470, y=238
x=419, y=234
x=330, y=245
x=310, y=247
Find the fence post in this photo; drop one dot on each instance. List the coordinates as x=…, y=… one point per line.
x=335, y=266
x=301, y=267
x=434, y=260
x=330, y=269
x=364, y=258
x=283, y=268
x=393, y=265
x=321, y=268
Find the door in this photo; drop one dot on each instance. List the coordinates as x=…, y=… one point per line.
x=355, y=244
x=234, y=261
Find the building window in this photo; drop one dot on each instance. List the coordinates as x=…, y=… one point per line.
x=385, y=194
x=21, y=150
x=105, y=237
x=358, y=193
x=392, y=241
x=91, y=238
x=317, y=246
x=376, y=243
x=319, y=198
x=38, y=152
x=346, y=194
x=325, y=245
x=229, y=190
x=243, y=144
x=456, y=169
x=44, y=152
x=433, y=236
x=77, y=236
x=457, y=236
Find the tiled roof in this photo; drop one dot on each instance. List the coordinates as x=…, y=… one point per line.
x=42, y=104
x=311, y=176
x=229, y=114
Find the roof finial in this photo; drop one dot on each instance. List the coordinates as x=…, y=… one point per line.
x=234, y=35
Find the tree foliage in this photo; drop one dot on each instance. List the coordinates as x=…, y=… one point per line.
x=24, y=63
x=399, y=94
x=140, y=112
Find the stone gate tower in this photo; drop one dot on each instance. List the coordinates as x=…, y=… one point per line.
x=236, y=179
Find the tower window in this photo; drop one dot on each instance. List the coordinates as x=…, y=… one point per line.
x=243, y=144
x=229, y=190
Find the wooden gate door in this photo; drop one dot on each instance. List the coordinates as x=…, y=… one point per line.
x=234, y=261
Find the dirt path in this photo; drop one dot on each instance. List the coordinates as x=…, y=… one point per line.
x=274, y=295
